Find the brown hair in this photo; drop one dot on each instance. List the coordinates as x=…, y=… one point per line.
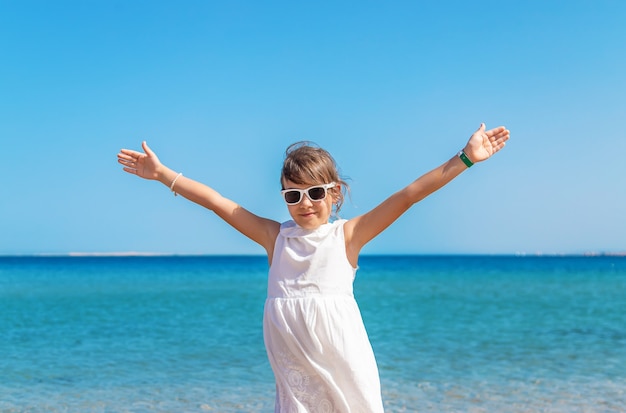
x=308, y=164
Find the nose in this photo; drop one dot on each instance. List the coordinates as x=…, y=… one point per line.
x=305, y=201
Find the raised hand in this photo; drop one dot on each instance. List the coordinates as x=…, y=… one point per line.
x=145, y=165
x=482, y=144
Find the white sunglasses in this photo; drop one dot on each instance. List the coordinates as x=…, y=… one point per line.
x=315, y=193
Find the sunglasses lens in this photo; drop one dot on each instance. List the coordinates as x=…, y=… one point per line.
x=292, y=197
x=318, y=193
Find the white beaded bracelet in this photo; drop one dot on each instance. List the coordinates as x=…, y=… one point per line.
x=174, y=183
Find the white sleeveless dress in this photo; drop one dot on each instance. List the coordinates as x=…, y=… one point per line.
x=314, y=334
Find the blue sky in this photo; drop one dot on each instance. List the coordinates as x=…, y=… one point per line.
x=391, y=89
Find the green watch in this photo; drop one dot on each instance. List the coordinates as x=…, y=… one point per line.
x=465, y=159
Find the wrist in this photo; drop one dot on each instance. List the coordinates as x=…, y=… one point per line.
x=465, y=159
x=170, y=178
x=165, y=175
x=173, y=184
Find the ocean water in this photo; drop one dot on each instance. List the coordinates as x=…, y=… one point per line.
x=184, y=334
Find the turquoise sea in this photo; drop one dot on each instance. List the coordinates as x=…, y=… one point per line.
x=184, y=334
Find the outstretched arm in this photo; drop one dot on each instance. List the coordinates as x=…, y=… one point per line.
x=362, y=229
x=147, y=165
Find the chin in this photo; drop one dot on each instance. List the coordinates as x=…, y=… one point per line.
x=309, y=223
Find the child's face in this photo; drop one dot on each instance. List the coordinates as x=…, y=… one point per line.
x=311, y=214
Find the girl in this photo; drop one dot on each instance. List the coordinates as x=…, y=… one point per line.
x=314, y=335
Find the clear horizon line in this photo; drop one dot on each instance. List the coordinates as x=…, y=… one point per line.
x=172, y=254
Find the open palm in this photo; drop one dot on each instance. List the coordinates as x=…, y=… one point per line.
x=144, y=165
x=484, y=143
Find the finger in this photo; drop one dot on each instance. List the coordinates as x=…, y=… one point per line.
x=130, y=152
x=498, y=146
x=499, y=143
x=502, y=135
x=130, y=170
x=121, y=156
x=147, y=149
x=495, y=131
x=127, y=162
x=480, y=129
